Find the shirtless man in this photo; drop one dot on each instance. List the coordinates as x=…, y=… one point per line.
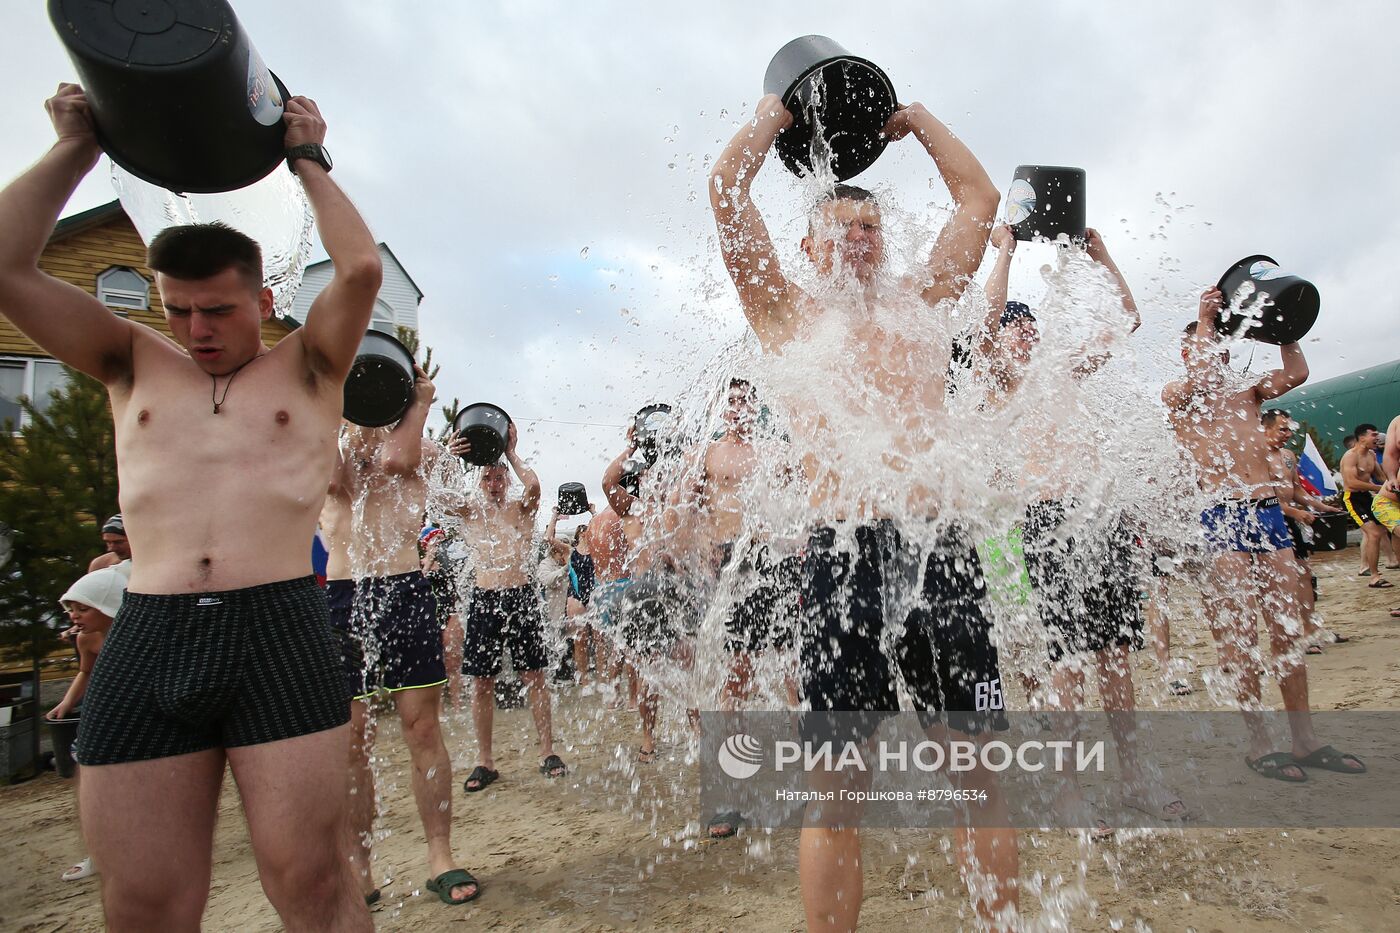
x=1361, y=480
x=222, y=655
x=1385, y=505
x=845, y=665
x=606, y=541
x=764, y=595
x=115, y=541
x=756, y=622
x=383, y=609
x=504, y=610
x=649, y=614
x=1086, y=586
x=1299, y=509
x=1218, y=423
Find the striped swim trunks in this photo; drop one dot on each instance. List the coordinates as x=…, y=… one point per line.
x=184, y=673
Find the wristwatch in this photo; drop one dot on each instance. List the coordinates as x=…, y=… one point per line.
x=313, y=151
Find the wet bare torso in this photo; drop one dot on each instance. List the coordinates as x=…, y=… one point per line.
x=222, y=501
x=501, y=538
x=371, y=518
x=729, y=465
x=888, y=386
x=1222, y=433
x=1358, y=467
x=615, y=544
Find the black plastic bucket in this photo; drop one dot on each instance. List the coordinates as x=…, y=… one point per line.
x=1290, y=304
x=851, y=98
x=63, y=733
x=379, y=388
x=1046, y=200
x=180, y=97
x=631, y=478
x=573, y=499
x=487, y=426
x=1330, y=532
x=651, y=428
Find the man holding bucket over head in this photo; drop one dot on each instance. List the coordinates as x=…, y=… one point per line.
x=221, y=654
x=855, y=549
x=384, y=611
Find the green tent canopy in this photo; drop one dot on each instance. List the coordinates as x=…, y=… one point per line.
x=1333, y=407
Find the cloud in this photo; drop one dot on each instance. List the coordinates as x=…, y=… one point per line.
x=489, y=145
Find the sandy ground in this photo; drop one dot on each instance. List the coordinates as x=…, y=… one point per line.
x=614, y=847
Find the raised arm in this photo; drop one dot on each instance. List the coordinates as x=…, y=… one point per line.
x=530, y=499
x=1098, y=252
x=1292, y=374
x=620, y=499
x=1391, y=453
x=764, y=292
x=1177, y=395
x=551, y=536
x=963, y=241
x=402, y=453
x=67, y=322
x=997, y=285
x=1100, y=350
x=340, y=314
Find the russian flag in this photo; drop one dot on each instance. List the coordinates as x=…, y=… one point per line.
x=1313, y=472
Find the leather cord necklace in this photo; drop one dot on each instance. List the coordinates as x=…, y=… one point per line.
x=214, y=385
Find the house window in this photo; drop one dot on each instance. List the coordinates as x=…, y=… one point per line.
x=122, y=288
x=34, y=379
x=382, y=319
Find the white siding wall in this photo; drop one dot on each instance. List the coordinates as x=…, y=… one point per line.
x=397, y=292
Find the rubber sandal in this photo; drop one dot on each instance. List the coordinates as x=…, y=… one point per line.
x=79, y=870
x=1380, y=583
x=1180, y=688
x=1143, y=804
x=484, y=778
x=554, y=764
x=1314, y=649
x=1272, y=765
x=443, y=884
x=730, y=818
x=646, y=757
x=1329, y=759
x=372, y=898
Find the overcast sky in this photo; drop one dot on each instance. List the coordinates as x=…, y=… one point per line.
x=491, y=145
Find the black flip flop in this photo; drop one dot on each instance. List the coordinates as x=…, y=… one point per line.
x=443, y=884
x=552, y=764
x=732, y=819
x=372, y=898
x=1272, y=765
x=1329, y=759
x=1379, y=584
x=484, y=778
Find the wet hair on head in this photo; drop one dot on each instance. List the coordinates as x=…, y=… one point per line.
x=841, y=192
x=739, y=382
x=1270, y=417
x=201, y=251
x=1016, y=311
x=844, y=192
x=1364, y=429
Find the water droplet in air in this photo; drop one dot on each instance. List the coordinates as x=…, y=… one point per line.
x=583, y=253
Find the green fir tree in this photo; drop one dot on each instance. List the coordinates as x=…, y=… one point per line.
x=58, y=482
